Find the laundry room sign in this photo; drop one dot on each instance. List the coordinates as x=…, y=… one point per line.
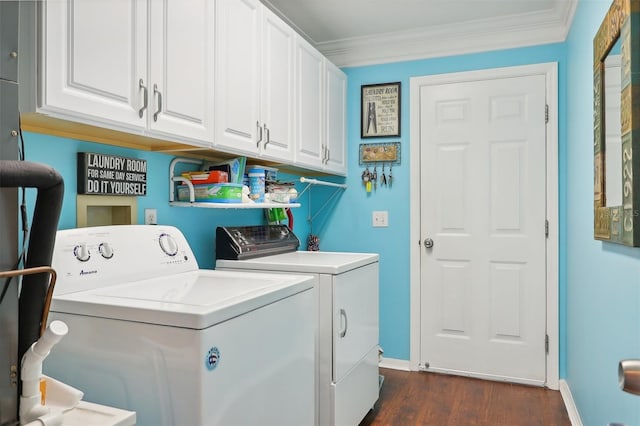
x=102, y=174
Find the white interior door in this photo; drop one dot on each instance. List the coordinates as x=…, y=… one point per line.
x=483, y=180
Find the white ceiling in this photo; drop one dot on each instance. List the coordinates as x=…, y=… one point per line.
x=362, y=32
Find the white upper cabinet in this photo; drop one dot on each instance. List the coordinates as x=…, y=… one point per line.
x=94, y=54
x=133, y=65
x=335, y=159
x=223, y=74
x=254, y=80
x=309, y=105
x=237, y=91
x=321, y=109
x=278, y=87
x=181, y=68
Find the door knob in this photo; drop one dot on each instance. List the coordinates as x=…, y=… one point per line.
x=428, y=243
x=628, y=375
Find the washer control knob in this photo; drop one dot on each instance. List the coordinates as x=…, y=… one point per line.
x=105, y=250
x=81, y=252
x=168, y=244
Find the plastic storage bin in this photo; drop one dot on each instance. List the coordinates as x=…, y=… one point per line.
x=256, y=184
x=214, y=193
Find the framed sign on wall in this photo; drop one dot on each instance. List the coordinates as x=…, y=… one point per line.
x=380, y=110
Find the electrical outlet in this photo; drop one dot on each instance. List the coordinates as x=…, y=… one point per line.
x=380, y=219
x=150, y=217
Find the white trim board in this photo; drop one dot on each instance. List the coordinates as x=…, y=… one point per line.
x=550, y=71
x=569, y=403
x=448, y=40
x=395, y=364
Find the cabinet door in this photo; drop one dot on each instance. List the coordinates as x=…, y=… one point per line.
x=94, y=57
x=277, y=95
x=236, y=91
x=310, y=112
x=181, y=69
x=336, y=155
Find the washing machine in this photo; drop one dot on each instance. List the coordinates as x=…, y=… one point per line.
x=152, y=333
x=346, y=301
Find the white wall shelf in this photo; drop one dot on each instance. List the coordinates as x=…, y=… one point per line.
x=233, y=205
x=208, y=205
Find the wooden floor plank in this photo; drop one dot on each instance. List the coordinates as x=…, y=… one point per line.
x=420, y=398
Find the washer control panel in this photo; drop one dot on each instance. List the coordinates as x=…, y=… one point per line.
x=94, y=257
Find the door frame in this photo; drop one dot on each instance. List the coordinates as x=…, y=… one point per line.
x=550, y=71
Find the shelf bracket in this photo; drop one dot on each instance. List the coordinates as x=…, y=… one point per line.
x=173, y=179
x=310, y=183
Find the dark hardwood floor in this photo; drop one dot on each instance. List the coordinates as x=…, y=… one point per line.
x=418, y=398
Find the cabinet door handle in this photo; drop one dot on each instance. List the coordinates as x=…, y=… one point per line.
x=343, y=313
x=259, y=127
x=268, y=134
x=145, y=98
x=157, y=93
x=328, y=155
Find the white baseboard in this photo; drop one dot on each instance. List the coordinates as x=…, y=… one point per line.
x=570, y=405
x=395, y=364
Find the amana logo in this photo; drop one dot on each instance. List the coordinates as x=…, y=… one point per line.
x=83, y=272
x=212, y=359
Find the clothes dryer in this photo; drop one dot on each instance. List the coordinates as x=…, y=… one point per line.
x=346, y=301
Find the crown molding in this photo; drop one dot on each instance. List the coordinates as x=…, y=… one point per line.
x=471, y=37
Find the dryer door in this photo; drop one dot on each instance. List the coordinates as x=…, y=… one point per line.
x=355, y=317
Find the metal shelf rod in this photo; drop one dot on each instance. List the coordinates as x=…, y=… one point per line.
x=321, y=182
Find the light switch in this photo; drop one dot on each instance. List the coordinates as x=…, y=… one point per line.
x=380, y=219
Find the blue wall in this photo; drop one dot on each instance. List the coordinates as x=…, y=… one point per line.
x=198, y=225
x=350, y=228
x=603, y=285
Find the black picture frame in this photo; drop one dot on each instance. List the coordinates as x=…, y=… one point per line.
x=380, y=110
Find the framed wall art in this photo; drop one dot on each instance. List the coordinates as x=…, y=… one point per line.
x=380, y=110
